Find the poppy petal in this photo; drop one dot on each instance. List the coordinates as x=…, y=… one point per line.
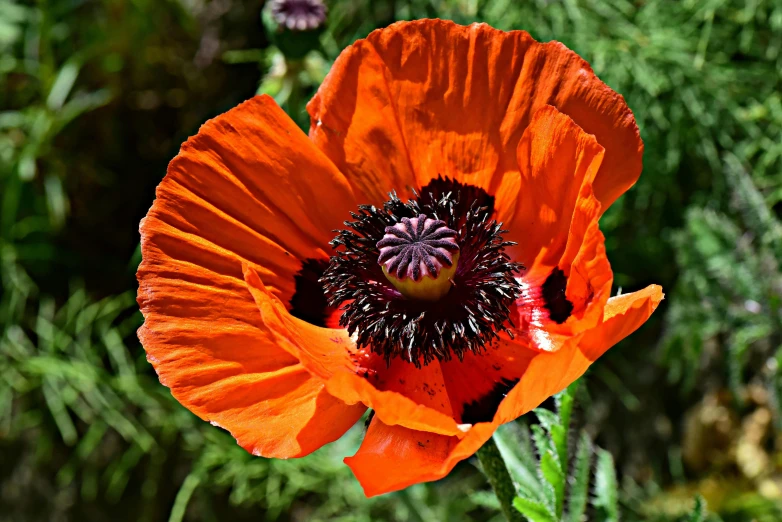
x=408, y=406
x=236, y=190
x=478, y=384
x=623, y=315
x=562, y=301
x=219, y=362
x=393, y=457
x=399, y=393
x=551, y=372
x=569, y=278
x=321, y=350
x=430, y=98
x=557, y=161
x=220, y=205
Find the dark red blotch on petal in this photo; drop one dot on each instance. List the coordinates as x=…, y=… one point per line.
x=483, y=409
x=309, y=302
x=554, y=297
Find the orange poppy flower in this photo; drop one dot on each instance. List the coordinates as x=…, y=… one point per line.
x=264, y=321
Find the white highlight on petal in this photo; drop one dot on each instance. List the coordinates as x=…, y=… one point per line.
x=535, y=316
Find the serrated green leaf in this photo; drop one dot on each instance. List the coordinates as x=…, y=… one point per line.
x=548, y=494
x=533, y=511
x=579, y=481
x=542, y=441
x=559, y=440
x=518, y=455
x=547, y=418
x=554, y=475
x=565, y=401
x=606, y=487
x=526, y=450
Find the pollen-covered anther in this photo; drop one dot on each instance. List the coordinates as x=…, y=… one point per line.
x=419, y=256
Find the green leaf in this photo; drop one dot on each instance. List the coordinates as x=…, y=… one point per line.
x=548, y=494
x=548, y=419
x=750, y=203
x=183, y=496
x=59, y=412
x=518, y=455
x=606, y=486
x=579, y=482
x=63, y=84
x=564, y=401
x=559, y=440
x=56, y=201
x=542, y=441
x=526, y=451
x=534, y=511
x=79, y=104
x=554, y=475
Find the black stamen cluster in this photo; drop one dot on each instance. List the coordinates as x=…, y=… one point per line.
x=469, y=318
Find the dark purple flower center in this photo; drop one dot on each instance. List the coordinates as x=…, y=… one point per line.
x=417, y=247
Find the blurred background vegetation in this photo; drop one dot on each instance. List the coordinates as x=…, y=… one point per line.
x=97, y=96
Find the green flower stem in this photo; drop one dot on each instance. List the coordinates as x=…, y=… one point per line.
x=495, y=470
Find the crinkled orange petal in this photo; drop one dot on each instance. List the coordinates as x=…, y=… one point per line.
x=354, y=376
x=221, y=364
x=493, y=374
x=551, y=372
x=322, y=351
x=251, y=186
x=409, y=403
x=393, y=457
x=430, y=98
x=477, y=385
x=556, y=227
x=622, y=315
x=557, y=161
x=512, y=364
x=425, y=386
x=589, y=279
x=235, y=195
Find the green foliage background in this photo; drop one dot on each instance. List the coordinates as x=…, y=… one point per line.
x=95, y=99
